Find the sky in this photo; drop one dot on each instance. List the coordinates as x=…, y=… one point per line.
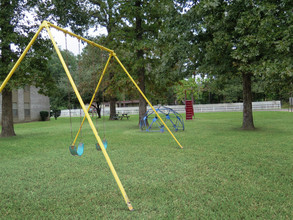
x=59, y=37
x=72, y=42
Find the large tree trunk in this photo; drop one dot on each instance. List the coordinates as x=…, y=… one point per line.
x=142, y=101
x=140, y=58
x=112, y=101
x=247, y=103
x=112, y=108
x=6, y=59
x=7, y=114
x=111, y=74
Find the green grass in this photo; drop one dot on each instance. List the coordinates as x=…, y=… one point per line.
x=222, y=172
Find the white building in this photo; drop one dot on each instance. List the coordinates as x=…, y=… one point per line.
x=27, y=104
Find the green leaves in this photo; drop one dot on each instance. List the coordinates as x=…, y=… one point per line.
x=190, y=88
x=244, y=32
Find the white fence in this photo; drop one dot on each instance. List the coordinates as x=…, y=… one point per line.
x=226, y=107
x=234, y=107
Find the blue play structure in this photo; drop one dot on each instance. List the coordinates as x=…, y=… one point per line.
x=150, y=121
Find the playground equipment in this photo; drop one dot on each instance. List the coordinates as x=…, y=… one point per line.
x=75, y=151
x=47, y=25
x=189, y=106
x=189, y=109
x=150, y=121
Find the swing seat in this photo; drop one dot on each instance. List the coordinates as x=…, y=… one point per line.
x=77, y=151
x=105, y=145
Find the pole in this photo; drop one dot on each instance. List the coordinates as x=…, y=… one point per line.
x=127, y=201
x=21, y=57
x=97, y=88
x=143, y=95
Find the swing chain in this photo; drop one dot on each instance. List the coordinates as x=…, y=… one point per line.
x=68, y=87
x=79, y=78
x=104, y=130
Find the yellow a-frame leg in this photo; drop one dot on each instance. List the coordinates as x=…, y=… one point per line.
x=135, y=84
x=93, y=97
x=21, y=57
x=114, y=55
x=143, y=95
x=45, y=25
x=127, y=201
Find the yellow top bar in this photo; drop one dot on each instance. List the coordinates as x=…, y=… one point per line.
x=78, y=37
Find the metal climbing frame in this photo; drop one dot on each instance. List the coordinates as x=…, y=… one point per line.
x=47, y=25
x=150, y=120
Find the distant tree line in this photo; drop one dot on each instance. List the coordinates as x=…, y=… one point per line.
x=216, y=51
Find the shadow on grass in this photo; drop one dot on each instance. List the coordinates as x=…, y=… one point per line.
x=261, y=129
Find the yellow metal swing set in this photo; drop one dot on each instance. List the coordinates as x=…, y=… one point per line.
x=47, y=25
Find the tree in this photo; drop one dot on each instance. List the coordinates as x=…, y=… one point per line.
x=91, y=65
x=144, y=34
x=189, y=89
x=244, y=38
x=278, y=87
x=61, y=90
x=106, y=13
x=14, y=32
x=222, y=90
x=19, y=21
x=134, y=27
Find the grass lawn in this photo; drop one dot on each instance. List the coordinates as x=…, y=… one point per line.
x=222, y=172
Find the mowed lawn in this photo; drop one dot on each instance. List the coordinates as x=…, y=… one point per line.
x=223, y=172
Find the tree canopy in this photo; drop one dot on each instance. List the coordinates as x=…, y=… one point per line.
x=19, y=21
x=237, y=46
x=241, y=38
x=16, y=30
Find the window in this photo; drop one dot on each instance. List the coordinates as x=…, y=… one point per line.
x=15, y=113
x=26, y=89
x=15, y=109
x=27, y=110
x=27, y=113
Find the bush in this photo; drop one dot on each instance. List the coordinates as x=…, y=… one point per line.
x=56, y=113
x=44, y=115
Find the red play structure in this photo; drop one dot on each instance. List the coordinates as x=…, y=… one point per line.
x=189, y=109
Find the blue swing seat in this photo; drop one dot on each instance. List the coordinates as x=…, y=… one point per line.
x=77, y=151
x=105, y=145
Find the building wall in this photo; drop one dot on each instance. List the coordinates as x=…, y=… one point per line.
x=27, y=104
x=20, y=106
x=38, y=103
